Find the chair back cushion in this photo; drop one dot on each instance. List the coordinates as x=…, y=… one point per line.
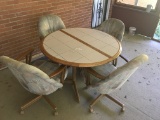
x=118, y=77
x=48, y=24
x=30, y=77
x=114, y=27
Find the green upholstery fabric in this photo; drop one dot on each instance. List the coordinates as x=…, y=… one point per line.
x=114, y=27
x=118, y=77
x=48, y=24
x=31, y=78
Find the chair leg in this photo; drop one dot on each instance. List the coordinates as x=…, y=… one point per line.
x=114, y=62
x=51, y=104
x=30, y=103
x=116, y=101
x=94, y=102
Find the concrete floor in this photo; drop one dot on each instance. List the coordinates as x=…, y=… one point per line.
x=140, y=94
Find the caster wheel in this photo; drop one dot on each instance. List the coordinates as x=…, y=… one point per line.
x=55, y=113
x=91, y=110
x=22, y=112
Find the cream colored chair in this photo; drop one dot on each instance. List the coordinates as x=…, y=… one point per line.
x=116, y=28
x=41, y=81
x=114, y=78
x=48, y=24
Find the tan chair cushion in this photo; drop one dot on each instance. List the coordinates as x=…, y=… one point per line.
x=114, y=27
x=118, y=77
x=48, y=24
x=30, y=77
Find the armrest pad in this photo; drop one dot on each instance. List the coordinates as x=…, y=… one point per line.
x=58, y=71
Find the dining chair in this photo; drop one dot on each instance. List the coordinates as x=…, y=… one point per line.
x=116, y=28
x=114, y=78
x=48, y=24
x=41, y=80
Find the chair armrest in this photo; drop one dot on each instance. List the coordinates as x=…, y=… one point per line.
x=96, y=74
x=58, y=71
x=125, y=59
x=27, y=54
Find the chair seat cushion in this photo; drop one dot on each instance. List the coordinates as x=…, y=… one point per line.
x=103, y=70
x=48, y=67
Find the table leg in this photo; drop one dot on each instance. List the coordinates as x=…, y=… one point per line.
x=74, y=69
x=86, y=76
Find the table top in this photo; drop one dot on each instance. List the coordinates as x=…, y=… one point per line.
x=81, y=47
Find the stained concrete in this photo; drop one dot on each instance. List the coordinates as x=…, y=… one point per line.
x=140, y=94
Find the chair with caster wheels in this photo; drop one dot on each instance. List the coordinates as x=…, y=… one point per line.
x=35, y=80
x=49, y=23
x=116, y=28
x=115, y=78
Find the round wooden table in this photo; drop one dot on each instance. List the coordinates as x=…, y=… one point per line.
x=80, y=47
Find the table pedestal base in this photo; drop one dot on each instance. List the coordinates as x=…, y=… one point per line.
x=74, y=71
x=73, y=81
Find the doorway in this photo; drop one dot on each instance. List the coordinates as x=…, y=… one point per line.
x=157, y=32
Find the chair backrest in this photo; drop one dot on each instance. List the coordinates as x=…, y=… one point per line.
x=114, y=27
x=118, y=77
x=48, y=24
x=30, y=77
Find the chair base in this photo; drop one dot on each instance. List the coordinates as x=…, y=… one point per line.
x=23, y=107
x=108, y=96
